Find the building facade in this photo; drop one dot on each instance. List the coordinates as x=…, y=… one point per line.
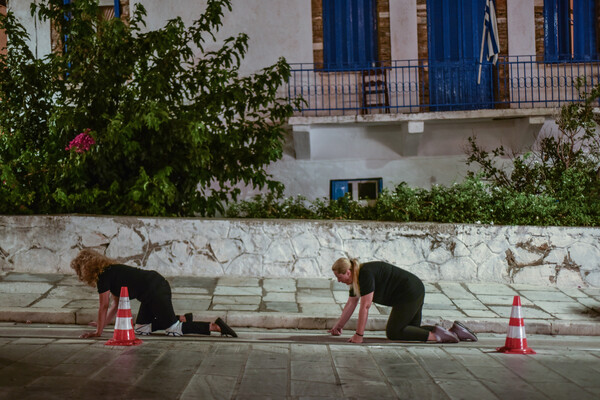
x=393, y=88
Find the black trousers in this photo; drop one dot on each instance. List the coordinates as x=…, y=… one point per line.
x=158, y=311
x=404, y=322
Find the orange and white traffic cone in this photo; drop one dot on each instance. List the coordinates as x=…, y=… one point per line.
x=124, y=334
x=516, y=342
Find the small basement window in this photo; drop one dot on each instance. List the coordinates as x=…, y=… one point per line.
x=359, y=189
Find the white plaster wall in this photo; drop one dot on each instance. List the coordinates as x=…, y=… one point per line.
x=403, y=29
x=276, y=28
x=311, y=178
x=565, y=257
x=39, y=31
x=357, y=151
x=521, y=27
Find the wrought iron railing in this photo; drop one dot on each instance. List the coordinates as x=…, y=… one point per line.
x=421, y=86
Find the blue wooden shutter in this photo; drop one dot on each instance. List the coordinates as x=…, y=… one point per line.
x=550, y=30
x=564, y=30
x=557, y=30
x=349, y=34
x=584, y=27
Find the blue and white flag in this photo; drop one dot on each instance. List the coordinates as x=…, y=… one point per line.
x=489, y=36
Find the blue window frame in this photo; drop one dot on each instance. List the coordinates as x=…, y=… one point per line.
x=570, y=30
x=349, y=34
x=358, y=189
x=117, y=5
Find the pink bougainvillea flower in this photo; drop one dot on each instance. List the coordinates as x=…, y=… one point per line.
x=82, y=142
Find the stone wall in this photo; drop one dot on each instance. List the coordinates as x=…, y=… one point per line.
x=567, y=257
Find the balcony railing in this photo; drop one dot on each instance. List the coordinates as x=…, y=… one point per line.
x=407, y=86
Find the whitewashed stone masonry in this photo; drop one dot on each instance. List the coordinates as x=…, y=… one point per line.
x=566, y=257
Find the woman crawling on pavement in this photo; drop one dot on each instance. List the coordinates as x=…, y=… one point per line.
x=149, y=287
x=383, y=283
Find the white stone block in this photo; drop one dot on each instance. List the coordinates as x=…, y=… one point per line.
x=460, y=250
x=127, y=243
x=246, y=265
x=225, y=250
x=493, y=269
x=306, y=245
x=328, y=237
x=93, y=239
x=202, y=265
x=593, y=278
x=438, y=255
x=556, y=256
x=280, y=251
x=399, y=252
x=539, y=274
x=306, y=267
x=425, y=271
x=585, y=255
x=458, y=269
x=567, y=278
x=360, y=249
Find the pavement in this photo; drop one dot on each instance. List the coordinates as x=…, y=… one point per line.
x=310, y=303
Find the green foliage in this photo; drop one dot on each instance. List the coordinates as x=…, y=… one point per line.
x=472, y=201
x=564, y=170
x=174, y=134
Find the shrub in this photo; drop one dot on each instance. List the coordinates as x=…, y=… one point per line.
x=164, y=132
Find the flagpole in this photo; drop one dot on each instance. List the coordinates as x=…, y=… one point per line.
x=481, y=52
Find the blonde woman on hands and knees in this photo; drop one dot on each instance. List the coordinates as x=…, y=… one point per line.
x=149, y=287
x=383, y=283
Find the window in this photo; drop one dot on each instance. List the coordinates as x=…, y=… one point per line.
x=358, y=189
x=349, y=34
x=110, y=9
x=570, y=30
x=107, y=8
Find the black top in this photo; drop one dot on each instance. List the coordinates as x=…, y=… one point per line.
x=139, y=282
x=392, y=285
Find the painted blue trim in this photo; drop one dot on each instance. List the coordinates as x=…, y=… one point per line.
x=349, y=34
x=454, y=34
x=117, y=9
x=339, y=187
x=557, y=35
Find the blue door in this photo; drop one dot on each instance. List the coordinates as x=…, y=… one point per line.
x=454, y=34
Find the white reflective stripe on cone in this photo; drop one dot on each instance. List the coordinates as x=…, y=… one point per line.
x=124, y=303
x=516, y=313
x=516, y=332
x=123, y=324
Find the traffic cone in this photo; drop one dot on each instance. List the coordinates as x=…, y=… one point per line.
x=124, y=334
x=516, y=342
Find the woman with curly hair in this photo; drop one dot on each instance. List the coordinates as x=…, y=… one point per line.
x=149, y=287
x=383, y=283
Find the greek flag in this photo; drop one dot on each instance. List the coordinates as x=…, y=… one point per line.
x=489, y=36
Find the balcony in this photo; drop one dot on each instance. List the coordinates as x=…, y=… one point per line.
x=421, y=86
x=418, y=108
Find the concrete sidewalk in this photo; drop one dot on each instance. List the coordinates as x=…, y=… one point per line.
x=309, y=303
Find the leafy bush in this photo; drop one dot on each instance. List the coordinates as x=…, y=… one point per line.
x=472, y=201
x=167, y=133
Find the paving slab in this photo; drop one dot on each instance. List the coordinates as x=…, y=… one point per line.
x=311, y=303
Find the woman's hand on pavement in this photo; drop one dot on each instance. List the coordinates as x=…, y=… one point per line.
x=356, y=339
x=89, y=335
x=93, y=323
x=335, y=331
